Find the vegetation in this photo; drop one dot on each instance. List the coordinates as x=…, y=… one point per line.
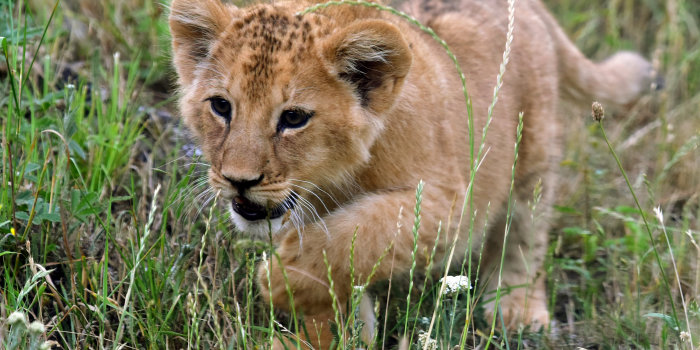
x=110, y=239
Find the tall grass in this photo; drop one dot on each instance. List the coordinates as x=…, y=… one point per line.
x=93, y=252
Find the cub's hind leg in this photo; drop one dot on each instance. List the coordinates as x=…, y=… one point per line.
x=523, y=294
x=522, y=277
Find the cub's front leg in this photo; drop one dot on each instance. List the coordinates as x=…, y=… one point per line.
x=375, y=218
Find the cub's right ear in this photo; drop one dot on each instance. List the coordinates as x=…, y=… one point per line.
x=194, y=24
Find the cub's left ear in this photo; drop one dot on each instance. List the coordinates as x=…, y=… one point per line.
x=373, y=57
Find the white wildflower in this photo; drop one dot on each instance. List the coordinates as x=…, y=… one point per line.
x=685, y=336
x=17, y=318
x=37, y=328
x=426, y=342
x=659, y=214
x=455, y=284
x=47, y=345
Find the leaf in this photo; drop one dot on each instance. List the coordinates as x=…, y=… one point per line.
x=75, y=149
x=670, y=322
x=566, y=210
x=573, y=267
x=25, y=198
x=120, y=199
x=53, y=217
x=578, y=231
x=84, y=204
x=627, y=210
x=22, y=215
x=51, y=247
x=74, y=200
x=31, y=167
x=7, y=253
x=30, y=284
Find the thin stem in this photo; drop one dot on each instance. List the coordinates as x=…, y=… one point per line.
x=416, y=227
x=132, y=277
x=644, y=218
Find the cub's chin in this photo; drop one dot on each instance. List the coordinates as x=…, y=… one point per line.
x=257, y=220
x=258, y=229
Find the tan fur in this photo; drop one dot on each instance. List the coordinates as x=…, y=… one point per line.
x=388, y=112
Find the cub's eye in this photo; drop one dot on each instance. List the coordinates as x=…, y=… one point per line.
x=221, y=107
x=293, y=118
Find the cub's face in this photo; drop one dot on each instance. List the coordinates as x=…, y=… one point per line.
x=281, y=105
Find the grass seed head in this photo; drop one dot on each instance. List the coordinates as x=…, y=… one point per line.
x=598, y=111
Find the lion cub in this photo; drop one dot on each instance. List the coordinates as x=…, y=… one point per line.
x=319, y=126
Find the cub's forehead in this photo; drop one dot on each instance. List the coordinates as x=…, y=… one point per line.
x=265, y=44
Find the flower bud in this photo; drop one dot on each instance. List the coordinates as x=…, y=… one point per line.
x=598, y=112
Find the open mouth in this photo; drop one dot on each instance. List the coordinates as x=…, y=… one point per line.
x=253, y=211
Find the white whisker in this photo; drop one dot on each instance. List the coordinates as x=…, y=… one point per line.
x=317, y=187
x=312, y=210
x=317, y=197
x=297, y=221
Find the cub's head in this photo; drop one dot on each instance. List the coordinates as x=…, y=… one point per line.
x=281, y=104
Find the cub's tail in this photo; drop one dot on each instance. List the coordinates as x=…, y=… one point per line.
x=618, y=80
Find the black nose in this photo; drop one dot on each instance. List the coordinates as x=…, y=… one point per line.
x=243, y=184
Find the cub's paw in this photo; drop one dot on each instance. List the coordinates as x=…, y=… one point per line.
x=273, y=285
x=307, y=286
x=315, y=333
x=520, y=309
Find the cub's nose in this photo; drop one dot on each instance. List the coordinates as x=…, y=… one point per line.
x=242, y=184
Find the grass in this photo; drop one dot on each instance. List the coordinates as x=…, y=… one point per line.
x=94, y=252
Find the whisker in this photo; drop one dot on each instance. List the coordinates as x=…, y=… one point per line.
x=315, y=195
x=312, y=210
x=206, y=202
x=195, y=186
x=317, y=187
x=160, y=167
x=201, y=200
x=184, y=195
x=297, y=221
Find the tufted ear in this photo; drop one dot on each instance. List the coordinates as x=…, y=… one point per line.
x=373, y=57
x=194, y=24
